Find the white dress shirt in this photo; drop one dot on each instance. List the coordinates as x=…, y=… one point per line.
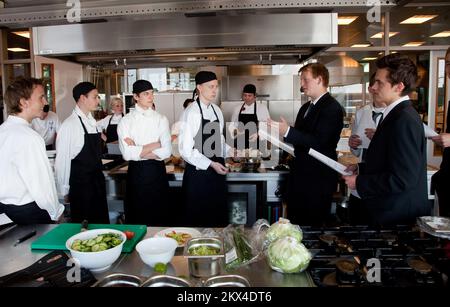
x=47, y=128
x=191, y=123
x=69, y=143
x=26, y=175
x=144, y=127
x=393, y=105
x=364, y=120
x=261, y=112
x=104, y=123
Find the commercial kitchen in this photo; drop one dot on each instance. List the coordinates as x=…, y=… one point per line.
x=262, y=43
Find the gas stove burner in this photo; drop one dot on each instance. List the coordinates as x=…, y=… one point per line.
x=420, y=266
x=328, y=239
x=330, y=280
x=405, y=257
x=347, y=266
x=347, y=271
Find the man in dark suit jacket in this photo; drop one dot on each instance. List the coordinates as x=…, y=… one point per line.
x=393, y=180
x=318, y=125
x=441, y=180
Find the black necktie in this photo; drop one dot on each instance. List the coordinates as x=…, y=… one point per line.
x=375, y=115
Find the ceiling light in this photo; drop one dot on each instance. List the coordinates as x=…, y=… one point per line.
x=381, y=34
x=413, y=44
x=360, y=45
x=346, y=20
x=368, y=59
x=442, y=34
x=17, y=49
x=25, y=34
x=416, y=19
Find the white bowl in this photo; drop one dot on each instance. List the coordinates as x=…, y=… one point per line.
x=96, y=261
x=155, y=250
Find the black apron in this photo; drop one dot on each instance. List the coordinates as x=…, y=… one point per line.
x=26, y=214
x=87, y=192
x=147, y=194
x=205, y=191
x=111, y=131
x=247, y=118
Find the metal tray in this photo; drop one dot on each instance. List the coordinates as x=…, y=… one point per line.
x=119, y=280
x=166, y=281
x=227, y=281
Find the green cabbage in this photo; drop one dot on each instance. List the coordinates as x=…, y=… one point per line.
x=288, y=255
x=284, y=228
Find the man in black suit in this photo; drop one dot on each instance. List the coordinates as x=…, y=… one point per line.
x=441, y=180
x=318, y=125
x=393, y=180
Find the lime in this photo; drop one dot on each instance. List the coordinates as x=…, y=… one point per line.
x=160, y=267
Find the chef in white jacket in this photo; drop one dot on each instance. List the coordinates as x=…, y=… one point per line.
x=27, y=185
x=202, y=145
x=144, y=140
x=47, y=125
x=78, y=162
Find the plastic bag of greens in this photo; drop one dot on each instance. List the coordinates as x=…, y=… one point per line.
x=288, y=255
x=283, y=228
x=239, y=246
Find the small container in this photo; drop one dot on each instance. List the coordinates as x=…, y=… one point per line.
x=119, y=280
x=208, y=265
x=227, y=281
x=166, y=281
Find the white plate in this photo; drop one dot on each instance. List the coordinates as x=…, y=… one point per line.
x=191, y=231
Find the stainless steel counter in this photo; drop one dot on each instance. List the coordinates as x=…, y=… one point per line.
x=259, y=274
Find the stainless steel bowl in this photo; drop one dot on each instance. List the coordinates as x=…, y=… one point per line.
x=166, y=281
x=227, y=281
x=119, y=280
x=204, y=266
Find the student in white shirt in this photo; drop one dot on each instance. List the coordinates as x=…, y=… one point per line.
x=27, y=185
x=144, y=140
x=202, y=145
x=365, y=124
x=175, y=130
x=47, y=125
x=250, y=112
x=78, y=163
x=108, y=125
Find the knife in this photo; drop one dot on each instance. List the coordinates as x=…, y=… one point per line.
x=84, y=225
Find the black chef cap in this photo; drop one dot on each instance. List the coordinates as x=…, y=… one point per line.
x=82, y=88
x=204, y=76
x=141, y=86
x=250, y=89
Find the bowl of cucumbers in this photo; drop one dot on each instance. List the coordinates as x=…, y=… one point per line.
x=96, y=249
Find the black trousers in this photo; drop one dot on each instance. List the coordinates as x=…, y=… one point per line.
x=26, y=214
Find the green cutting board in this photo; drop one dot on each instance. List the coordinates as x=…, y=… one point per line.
x=56, y=238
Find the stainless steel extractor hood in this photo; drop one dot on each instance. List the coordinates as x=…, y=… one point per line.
x=253, y=39
x=343, y=70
